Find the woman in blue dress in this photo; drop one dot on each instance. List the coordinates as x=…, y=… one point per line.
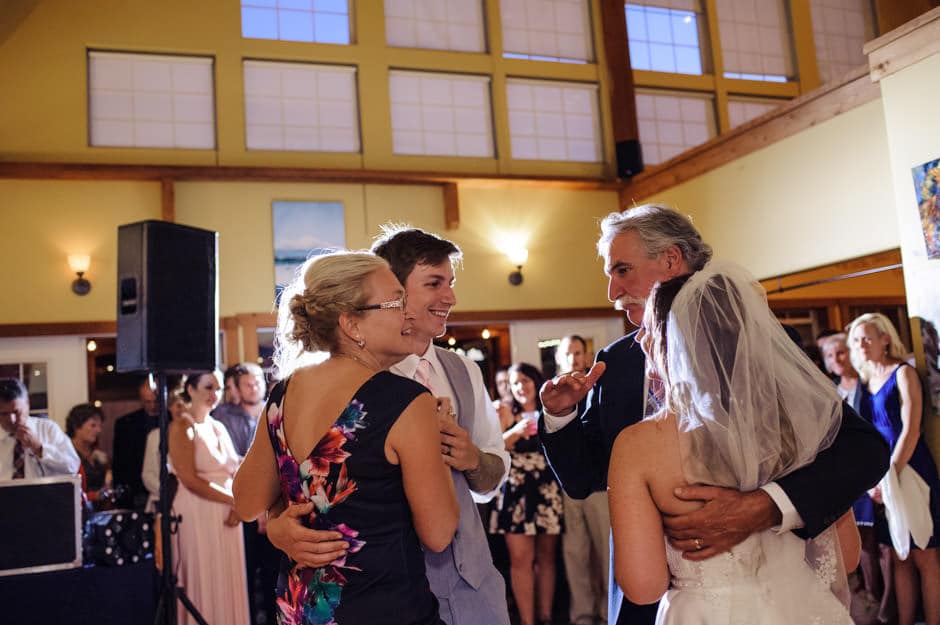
x=896, y=411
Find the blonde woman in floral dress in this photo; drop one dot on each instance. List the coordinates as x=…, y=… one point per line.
x=356, y=444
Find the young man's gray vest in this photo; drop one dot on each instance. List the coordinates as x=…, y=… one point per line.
x=469, y=588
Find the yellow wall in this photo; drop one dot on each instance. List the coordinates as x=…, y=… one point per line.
x=43, y=222
x=241, y=213
x=820, y=196
x=52, y=219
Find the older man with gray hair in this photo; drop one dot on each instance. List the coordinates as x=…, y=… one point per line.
x=641, y=247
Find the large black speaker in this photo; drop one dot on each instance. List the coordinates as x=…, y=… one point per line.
x=167, y=317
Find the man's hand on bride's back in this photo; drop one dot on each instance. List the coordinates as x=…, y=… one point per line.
x=561, y=394
x=727, y=518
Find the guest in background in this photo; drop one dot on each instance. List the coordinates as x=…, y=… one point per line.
x=231, y=402
x=585, y=544
x=211, y=551
x=896, y=412
x=240, y=418
x=838, y=361
x=130, y=438
x=150, y=473
x=503, y=403
x=83, y=426
x=29, y=446
x=529, y=509
x=262, y=559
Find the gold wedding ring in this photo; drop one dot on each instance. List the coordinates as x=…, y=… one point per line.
x=698, y=544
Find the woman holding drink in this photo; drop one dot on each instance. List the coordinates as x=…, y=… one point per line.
x=528, y=510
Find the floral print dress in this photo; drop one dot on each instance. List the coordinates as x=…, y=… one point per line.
x=357, y=492
x=530, y=501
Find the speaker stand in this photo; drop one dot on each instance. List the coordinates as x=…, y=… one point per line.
x=170, y=590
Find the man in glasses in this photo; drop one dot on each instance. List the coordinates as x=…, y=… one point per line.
x=468, y=587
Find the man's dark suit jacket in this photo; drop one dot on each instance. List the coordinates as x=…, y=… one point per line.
x=580, y=452
x=130, y=439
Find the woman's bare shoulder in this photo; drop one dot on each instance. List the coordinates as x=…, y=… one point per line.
x=643, y=443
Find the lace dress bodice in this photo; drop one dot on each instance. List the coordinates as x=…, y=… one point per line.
x=764, y=580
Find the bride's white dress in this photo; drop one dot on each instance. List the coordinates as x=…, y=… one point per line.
x=765, y=580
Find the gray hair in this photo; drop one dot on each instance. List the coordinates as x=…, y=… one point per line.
x=658, y=227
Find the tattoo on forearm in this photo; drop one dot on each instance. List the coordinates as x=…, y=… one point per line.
x=486, y=476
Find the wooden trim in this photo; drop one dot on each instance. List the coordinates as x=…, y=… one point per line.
x=623, y=122
x=229, y=326
x=806, y=111
x=815, y=302
x=65, y=328
x=451, y=206
x=158, y=173
x=842, y=267
x=167, y=200
x=904, y=46
x=804, y=46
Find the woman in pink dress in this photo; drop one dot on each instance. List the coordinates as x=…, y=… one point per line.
x=209, y=544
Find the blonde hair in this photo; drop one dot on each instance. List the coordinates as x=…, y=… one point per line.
x=310, y=306
x=895, y=351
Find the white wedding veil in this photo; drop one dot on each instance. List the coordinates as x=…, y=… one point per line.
x=751, y=406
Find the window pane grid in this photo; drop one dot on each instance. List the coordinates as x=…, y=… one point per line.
x=312, y=21
x=670, y=124
x=547, y=29
x=755, y=40
x=144, y=100
x=840, y=29
x=554, y=121
x=435, y=24
x=441, y=114
x=743, y=110
x=664, y=39
x=304, y=107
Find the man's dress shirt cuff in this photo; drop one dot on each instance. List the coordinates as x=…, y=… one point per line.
x=553, y=423
x=790, y=518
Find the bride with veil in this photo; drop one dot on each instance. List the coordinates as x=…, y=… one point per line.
x=741, y=406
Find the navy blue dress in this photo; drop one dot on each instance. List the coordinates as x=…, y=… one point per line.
x=886, y=417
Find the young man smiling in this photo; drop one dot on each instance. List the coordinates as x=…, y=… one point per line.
x=467, y=585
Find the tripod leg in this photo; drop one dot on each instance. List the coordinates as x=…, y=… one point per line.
x=181, y=595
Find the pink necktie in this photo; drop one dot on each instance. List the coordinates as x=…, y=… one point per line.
x=423, y=374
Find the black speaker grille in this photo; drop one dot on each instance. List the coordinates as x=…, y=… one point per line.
x=182, y=294
x=167, y=297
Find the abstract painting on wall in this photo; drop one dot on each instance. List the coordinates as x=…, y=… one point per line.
x=927, y=188
x=302, y=230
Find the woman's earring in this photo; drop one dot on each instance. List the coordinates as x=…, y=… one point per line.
x=361, y=343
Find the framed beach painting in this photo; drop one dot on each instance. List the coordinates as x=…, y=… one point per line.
x=301, y=230
x=927, y=188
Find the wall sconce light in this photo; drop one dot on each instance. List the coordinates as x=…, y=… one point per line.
x=517, y=257
x=79, y=264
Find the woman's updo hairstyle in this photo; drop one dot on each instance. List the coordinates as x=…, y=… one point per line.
x=192, y=381
x=308, y=314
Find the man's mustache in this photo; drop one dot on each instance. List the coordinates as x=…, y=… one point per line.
x=622, y=302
